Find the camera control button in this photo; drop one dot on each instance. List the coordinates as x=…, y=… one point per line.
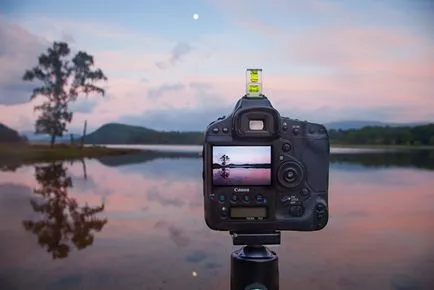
x=222, y=198
x=285, y=199
x=215, y=130
x=286, y=147
x=234, y=198
x=304, y=192
x=224, y=211
x=246, y=198
x=225, y=130
x=296, y=210
x=259, y=198
x=320, y=208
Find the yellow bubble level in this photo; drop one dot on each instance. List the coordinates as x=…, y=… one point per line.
x=254, y=76
x=254, y=89
x=254, y=82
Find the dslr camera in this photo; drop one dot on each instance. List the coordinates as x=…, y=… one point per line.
x=264, y=172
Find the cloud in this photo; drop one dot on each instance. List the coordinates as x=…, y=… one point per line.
x=154, y=93
x=155, y=195
x=200, y=86
x=16, y=91
x=203, y=106
x=196, y=256
x=67, y=37
x=197, y=119
x=18, y=51
x=84, y=105
x=175, y=119
x=176, y=234
x=180, y=50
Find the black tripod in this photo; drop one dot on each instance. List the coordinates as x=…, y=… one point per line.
x=254, y=266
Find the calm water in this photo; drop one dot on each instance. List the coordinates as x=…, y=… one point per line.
x=150, y=233
x=242, y=176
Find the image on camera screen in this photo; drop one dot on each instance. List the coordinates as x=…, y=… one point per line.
x=241, y=165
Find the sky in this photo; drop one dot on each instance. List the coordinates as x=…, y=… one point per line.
x=242, y=154
x=322, y=61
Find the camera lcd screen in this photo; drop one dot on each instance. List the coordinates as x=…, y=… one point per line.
x=241, y=165
x=246, y=212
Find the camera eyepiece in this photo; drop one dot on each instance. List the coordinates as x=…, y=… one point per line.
x=256, y=122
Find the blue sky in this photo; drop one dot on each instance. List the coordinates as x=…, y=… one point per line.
x=323, y=60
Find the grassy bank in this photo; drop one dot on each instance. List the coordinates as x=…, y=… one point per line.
x=25, y=154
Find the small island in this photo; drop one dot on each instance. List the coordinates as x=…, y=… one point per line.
x=30, y=153
x=15, y=149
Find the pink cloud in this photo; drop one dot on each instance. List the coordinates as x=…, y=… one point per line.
x=134, y=61
x=349, y=68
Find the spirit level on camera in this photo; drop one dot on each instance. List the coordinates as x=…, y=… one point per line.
x=254, y=82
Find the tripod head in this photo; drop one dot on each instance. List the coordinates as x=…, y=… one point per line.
x=255, y=239
x=254, y=266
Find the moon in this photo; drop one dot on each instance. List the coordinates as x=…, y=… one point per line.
x=195, y=16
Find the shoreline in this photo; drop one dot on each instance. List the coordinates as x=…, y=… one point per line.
x=33, y=153
x=365, y=146
x=25, y=154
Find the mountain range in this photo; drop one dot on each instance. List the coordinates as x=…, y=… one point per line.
x=9, y=135
x=346, y=125
x=114, y=133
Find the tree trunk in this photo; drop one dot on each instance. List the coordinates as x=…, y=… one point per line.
x=84, y=169
x=53, y=140
x=84, y=133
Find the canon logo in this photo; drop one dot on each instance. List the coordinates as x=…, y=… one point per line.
x=236, y=189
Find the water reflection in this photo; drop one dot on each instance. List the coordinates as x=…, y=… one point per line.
x=423, y=159
x=62, y=220
x=380, y=234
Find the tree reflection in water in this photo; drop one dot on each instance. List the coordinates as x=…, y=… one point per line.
x=63, y=221
x=224, y=171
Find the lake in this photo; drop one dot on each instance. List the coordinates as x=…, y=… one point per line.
x=241, y=176
x=136, y=222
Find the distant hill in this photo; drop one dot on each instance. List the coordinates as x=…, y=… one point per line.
x=9, y=135
x=353, y=124
x=422, y=135
x=115, y=133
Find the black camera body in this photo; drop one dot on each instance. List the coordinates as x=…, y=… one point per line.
x=263, y=172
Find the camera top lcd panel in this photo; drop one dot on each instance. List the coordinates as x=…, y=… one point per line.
x=263, y=172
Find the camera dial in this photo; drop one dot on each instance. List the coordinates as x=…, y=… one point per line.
x=290, y=174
